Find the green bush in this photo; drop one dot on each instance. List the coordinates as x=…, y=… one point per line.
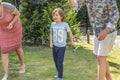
x=36, y=19
x=118, y=3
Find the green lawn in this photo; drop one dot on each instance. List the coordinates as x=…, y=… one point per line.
x=79, y=65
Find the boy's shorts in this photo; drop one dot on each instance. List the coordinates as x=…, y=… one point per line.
x=103, y=47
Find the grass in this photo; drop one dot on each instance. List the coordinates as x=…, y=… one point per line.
x=79, y=65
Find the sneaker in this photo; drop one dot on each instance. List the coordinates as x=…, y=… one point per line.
x=56, y=76
x=22, y=69
x=59, y=78
x=4, y=77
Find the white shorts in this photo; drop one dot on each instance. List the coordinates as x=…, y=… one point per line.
x=103, y=47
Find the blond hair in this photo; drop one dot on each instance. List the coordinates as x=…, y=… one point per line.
x=60, y=12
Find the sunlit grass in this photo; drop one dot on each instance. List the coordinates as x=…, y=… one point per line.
x=114, y=61
x=78, y=65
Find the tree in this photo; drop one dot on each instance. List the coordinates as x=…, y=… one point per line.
x=118, y=2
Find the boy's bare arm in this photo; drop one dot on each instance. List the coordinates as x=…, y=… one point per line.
x=51, y=43
x=71, y=38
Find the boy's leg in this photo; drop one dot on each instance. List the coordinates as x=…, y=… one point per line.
x=55, y=54
x=60, y=60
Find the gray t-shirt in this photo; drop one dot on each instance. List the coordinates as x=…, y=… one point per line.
x=59, y=31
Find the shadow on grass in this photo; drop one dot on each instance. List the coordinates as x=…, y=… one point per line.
x=115, y=65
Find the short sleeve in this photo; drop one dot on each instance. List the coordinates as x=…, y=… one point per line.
x=51, y=27
x=67, y=27
x=11, y=8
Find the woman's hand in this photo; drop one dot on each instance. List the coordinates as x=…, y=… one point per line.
x=10, y=26
x=103, y=34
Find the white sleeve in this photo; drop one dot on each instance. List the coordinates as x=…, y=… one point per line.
x=11, y=8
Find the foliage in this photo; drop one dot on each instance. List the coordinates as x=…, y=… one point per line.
x=10, y=1
x=36, y=19
x=31, y=19
x=118, y=2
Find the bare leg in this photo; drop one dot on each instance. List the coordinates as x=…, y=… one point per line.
x=102, y=69
x=19, y=52
x=108, y=76
x=5, y=62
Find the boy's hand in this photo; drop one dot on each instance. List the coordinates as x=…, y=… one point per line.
x=51, y=45
x=72, y=44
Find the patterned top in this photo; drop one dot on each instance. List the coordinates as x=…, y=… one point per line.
x=102, y=13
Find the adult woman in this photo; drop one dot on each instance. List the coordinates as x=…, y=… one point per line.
x=10, y=35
